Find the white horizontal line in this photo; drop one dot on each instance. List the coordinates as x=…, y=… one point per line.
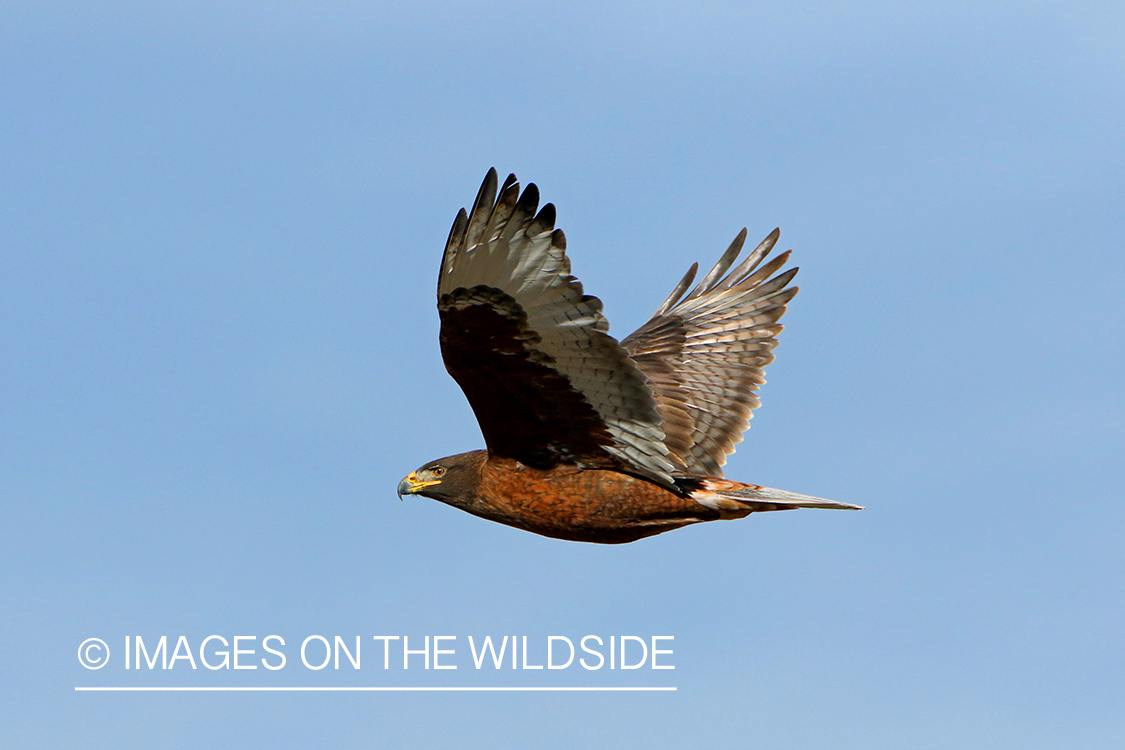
x=372, y=689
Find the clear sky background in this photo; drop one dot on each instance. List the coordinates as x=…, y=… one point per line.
x=220, y=226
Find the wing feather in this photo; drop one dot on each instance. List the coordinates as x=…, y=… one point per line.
x=704, y=352
x=532, y=352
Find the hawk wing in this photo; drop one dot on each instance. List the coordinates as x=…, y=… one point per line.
x=704, y=352
x=546, y=381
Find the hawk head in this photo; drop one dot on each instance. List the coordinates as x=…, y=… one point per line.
x=447, y=479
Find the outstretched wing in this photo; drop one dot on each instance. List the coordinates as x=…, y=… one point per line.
x=546, y=381
x=703, y=353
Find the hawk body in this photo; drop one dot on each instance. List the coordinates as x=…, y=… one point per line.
x=588, y=438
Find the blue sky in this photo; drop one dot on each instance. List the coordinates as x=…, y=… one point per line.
x=219, y=235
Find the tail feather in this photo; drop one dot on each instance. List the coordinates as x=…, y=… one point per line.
x=735, y=499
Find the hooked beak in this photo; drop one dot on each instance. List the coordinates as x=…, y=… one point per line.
x=411, y=484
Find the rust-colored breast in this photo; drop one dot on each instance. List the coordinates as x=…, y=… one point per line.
x=587, y=505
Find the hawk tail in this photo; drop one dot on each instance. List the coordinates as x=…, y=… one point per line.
x=736, y=499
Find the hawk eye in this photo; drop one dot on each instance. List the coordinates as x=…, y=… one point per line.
x=437, y=471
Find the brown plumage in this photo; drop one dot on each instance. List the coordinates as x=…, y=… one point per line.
x=590, y=439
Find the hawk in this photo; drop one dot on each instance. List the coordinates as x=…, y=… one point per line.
x=589, y=438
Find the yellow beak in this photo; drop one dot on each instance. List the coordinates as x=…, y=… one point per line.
x=412, y=484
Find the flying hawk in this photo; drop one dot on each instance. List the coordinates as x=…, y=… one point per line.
x=588, y=438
